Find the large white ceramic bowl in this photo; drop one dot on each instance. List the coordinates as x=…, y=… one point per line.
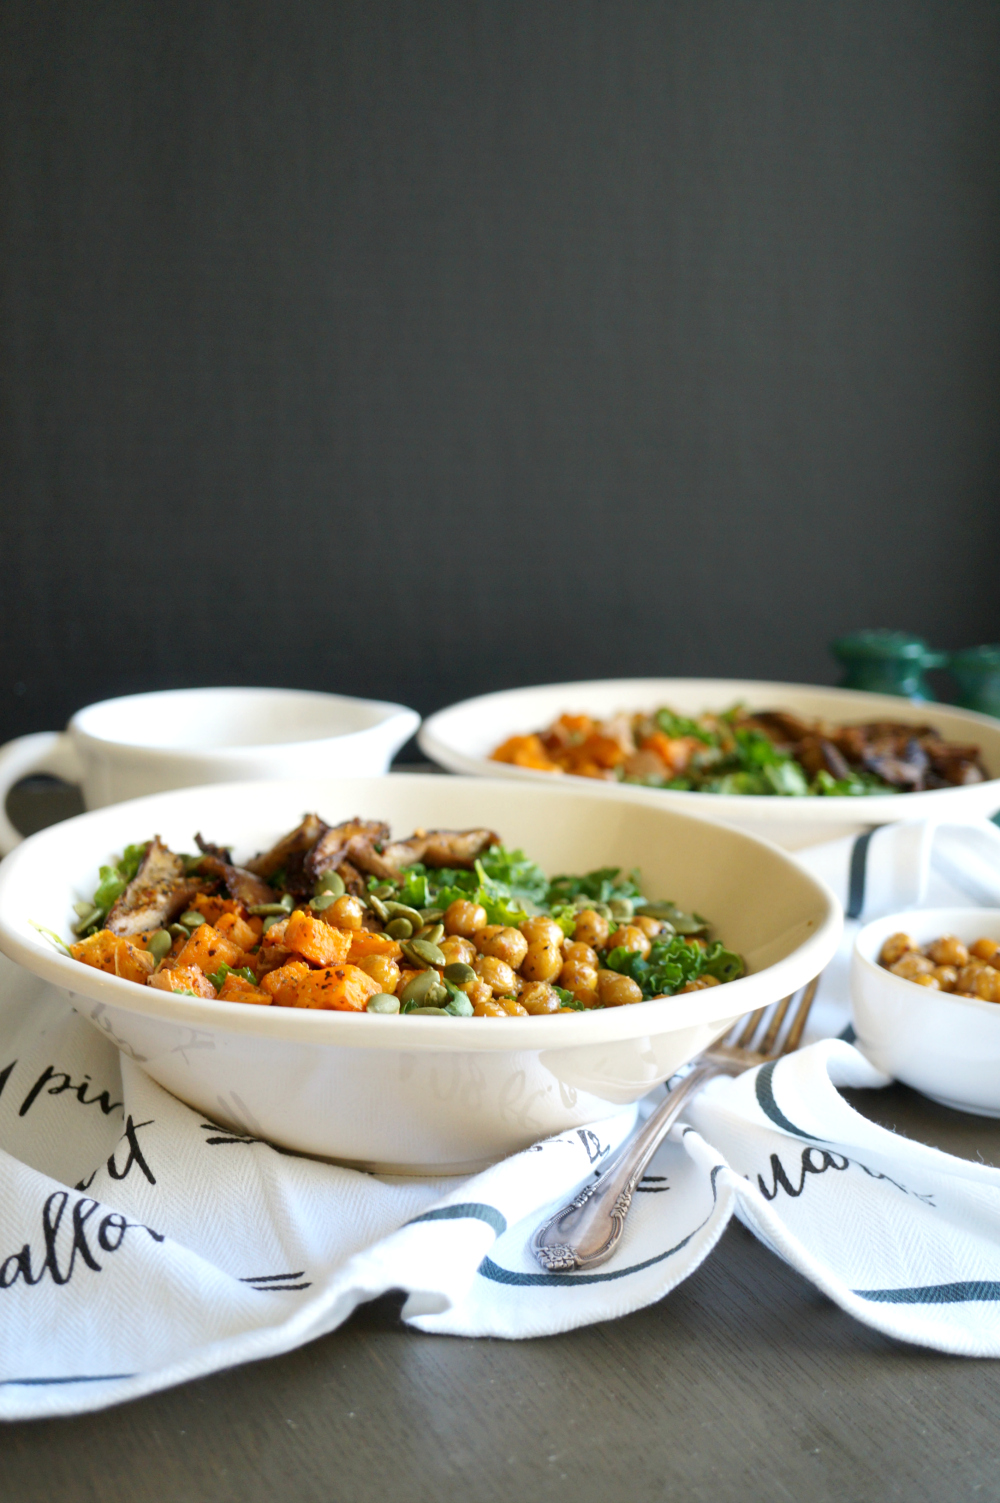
x=948, y=1047
x=462, y=737
x=417, y=1094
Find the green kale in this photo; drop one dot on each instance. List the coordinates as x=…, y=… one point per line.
x=218, y=977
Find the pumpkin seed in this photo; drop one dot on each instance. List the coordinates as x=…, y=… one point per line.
x=383, y=890
x=427, y=1012
x=82, y=909
x=86, y=919
x=263, y=910
x=417, y=987
x=377, y=906
x=428, y=952
x=399, y=928
x=159, y=943
x=401, y=910
x=287, y=902
x=383, y=1002
x=431, y=915
x=330, y=882
x=434, y=933
x=179, y=932
x=621, y=909
x=459, y=973
x=192, y=919
x=275, y=918
x=324, y=901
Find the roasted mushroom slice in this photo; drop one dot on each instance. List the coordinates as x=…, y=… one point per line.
x=332, y=846
x=296, y=843
x=459, y=848
x=246, y=887
x=158, y=892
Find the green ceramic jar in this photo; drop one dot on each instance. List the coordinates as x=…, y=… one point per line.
x=887, y=662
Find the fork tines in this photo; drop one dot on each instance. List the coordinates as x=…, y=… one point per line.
x=770, y=1031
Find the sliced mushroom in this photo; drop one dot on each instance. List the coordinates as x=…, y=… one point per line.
x=297, y=842
x=158, y=892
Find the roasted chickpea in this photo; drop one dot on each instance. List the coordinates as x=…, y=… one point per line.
x=453, y=947
x=987, y=984
x=511, y=1008
x=985, y=949
x=505, y=944
x=478, y=993
x=895, y=947
x=496, y=973
x=946, y=976
x=489, y=1009
x=543, y=961
x=346, y=913
x=591, y=929
x=577, y=976
x=383, y=969
x=464, y=917
x=539, y=998
x=926, y=978
x=541, y=928
x=965, y=981
x=948, y=951
x=700, y=985
x=651, y=927
x=911, y=965
x=614, y=990
x=630, y=937
x=580, y=954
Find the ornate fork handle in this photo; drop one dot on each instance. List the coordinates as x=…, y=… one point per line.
x=586, y=1232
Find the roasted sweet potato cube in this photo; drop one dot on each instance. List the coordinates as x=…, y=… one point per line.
x=365, y=943
x=208, y=949
x=236, y=989
x=237, y=929
x=110, y=952
x=315, y=941
x=214, y=908
x=183, y=978
x=338, y=988
x=281, y=985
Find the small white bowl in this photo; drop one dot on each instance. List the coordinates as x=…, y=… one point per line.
x=945, y=1046
x=462, y=737
x=412, y=1094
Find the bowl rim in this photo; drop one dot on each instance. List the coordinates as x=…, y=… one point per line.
x=872, y=809
x=367, y=1030
x=929, y=995
x=390, y=712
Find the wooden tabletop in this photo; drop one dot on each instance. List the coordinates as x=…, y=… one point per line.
x=743, y=1384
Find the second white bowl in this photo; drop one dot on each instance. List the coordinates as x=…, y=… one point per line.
x=948, y=1047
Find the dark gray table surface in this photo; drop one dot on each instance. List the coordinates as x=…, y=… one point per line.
x=743, y=1384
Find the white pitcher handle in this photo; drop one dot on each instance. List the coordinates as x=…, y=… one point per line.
x=46, y=751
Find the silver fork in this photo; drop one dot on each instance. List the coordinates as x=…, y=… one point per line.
x=586, y=1232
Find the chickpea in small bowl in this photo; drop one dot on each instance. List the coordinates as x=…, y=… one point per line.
x=924, y=992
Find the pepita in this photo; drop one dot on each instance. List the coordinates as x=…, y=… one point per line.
x=192, y=919
x=402, y=910
x=324, y=901
x=383, y=890
x=288, y=902
x=399, y=928
x=275, y=918
x=263, y=910
x=330, y=882
x=377, y=906
x=621, y=909
x=438, y=995
x=158, y=944
x=383, y=1002
x=417, y=987
x=428, y=952
x=431, y=915
x=86, y=919
x=427, y=1012
x=459, y=973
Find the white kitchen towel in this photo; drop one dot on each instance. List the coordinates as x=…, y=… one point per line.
x=142, y=1244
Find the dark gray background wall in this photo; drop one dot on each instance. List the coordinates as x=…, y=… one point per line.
x=415, y=349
